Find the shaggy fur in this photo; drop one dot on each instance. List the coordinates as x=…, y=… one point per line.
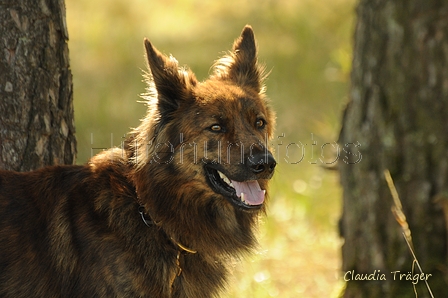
x=156, y=219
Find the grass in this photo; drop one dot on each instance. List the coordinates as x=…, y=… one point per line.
x=400, y=217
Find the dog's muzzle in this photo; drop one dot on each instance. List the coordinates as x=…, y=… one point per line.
x=240, y=187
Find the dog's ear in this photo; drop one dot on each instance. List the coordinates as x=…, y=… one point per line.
x=173, y=84
x=241, y=65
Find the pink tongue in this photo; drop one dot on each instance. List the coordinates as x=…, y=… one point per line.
x=253, y=195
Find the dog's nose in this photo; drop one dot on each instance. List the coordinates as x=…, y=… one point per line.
x=262, y=163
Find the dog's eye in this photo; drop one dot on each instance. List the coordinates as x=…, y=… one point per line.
x=260, y=123
x=216, y=128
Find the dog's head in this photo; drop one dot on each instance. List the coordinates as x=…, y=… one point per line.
x=212, y=136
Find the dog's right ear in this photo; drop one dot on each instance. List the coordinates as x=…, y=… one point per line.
x=173, y=84
x=241, y=65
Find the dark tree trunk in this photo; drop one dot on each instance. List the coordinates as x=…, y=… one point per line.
x=399, y=115
x=36, y=99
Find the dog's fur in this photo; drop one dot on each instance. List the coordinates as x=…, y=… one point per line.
x=76, y=231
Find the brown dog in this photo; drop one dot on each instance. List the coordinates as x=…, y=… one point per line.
x=161, y=217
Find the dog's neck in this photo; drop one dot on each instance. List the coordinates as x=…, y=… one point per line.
x=149, y=222
x=225, y=231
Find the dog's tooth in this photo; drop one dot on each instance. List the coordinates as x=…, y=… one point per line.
x=242, y=197
x=224, y=178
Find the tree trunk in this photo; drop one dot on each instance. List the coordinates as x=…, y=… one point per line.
x=399, y=115
x=36, y=98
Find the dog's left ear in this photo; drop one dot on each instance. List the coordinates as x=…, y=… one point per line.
x=241, y=65
x=172, y=83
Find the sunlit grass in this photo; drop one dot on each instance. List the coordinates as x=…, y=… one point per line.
x=307, y=46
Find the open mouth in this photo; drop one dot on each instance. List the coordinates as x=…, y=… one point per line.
x=246, y=195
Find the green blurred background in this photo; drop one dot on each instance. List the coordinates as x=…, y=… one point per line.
x=307, y=46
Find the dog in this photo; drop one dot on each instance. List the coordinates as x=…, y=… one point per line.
x=164, y=215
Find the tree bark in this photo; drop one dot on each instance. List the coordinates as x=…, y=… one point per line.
x=36, y=97
x=398, y=113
